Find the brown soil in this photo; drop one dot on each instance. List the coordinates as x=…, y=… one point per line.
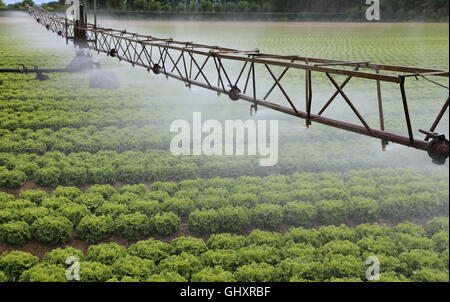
x=29, y=185
x=40, y=249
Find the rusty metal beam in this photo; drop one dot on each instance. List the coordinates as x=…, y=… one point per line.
x=406, y=110
x=438, y=119
x=399, y=139
x=350, y=104
x=380, y=112
x=336, y=93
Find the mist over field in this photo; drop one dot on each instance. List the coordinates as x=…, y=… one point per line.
x=91, y=170
x=354, y=42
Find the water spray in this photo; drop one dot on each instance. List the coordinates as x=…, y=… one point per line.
x=188, y=62
x=76, y=14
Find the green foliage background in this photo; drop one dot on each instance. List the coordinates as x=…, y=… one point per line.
x=274, y=9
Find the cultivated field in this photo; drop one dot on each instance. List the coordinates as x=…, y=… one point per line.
x=89, y=173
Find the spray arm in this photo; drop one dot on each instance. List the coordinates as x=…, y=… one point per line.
x=73, y=11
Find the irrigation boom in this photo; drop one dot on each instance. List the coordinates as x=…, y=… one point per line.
x=188, y=62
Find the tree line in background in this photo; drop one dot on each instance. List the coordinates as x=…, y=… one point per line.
x=400, y=9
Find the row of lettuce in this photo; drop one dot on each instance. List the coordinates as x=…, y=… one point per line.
x=86, y=139
x=407, y=252
x=57, y=119
x=218, y=205
x=133, y=167
x=93, y=139
x=34, y=105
